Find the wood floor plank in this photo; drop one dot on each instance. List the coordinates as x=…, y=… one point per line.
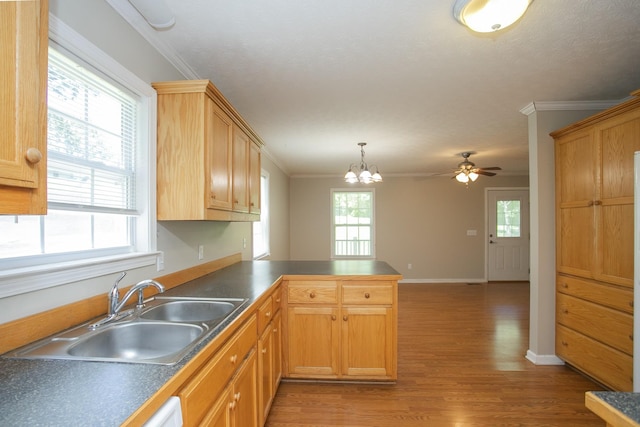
x=460, y=363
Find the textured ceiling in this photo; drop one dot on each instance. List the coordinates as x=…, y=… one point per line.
x=315, y=77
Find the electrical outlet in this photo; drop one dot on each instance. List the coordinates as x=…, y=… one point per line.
x=201, y=252
x=409, y=266
x=160, y=261
x=244, y=243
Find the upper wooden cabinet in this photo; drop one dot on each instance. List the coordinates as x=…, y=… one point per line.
x=23, y=117
x=203, y=155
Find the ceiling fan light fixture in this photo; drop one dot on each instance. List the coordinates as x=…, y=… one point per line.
x=462, y=177
x=473, y=176
x=486, y=16
x=360, y=172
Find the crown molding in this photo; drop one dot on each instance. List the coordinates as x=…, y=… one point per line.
x=569, y=106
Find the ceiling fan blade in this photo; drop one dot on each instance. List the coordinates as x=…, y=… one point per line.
x=492, y=168
x=485, y=173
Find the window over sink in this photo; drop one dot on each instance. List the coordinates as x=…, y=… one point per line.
x=100, y=121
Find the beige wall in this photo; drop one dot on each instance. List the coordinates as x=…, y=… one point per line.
x=421, y=221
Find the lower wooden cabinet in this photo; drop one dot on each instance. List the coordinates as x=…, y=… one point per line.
x=200, y=394
x=237, y=405
x=594, y=329
x=269, y=355
x=341, y=330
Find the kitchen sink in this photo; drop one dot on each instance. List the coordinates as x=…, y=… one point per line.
x=162, y=332
x=189, y=311
x=137, y=341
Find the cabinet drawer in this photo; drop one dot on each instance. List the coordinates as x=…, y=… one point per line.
x=601, y=323
x=367, y=293
x=277, y=299
x=312, y=292
x=607, y=365
x=611, y=296
x=202, y=390
x=265, y=313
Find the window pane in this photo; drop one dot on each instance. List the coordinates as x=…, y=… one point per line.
x=20, y=236
x=508, y=218
x=353, y=221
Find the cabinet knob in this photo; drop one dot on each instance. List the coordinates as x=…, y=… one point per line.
x=366, y=295
x=565, y=311
x=267, y=314
x=564, y=285
x=312, y=295
x=590, y=203
x=236, y=397
x=333, y=317
x=233, y=359
x=33, y=155
x=631, y=337
x=630, y=303
x=597, y=202
x=275, y=330
x=232, y=405
x=345, y=318
x=264, y=351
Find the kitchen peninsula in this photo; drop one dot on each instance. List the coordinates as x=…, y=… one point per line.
x=65, y=392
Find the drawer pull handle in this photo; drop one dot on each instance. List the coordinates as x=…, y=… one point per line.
x=366, y=295
x=312, y=295
x=564, y=285
x=233, y=359
x=236, y=397
x=268, y=314
x=232, y=405
x=564, y=343
x=264, y=351
x=333, y=317
x=275, y=330
x=345, y=318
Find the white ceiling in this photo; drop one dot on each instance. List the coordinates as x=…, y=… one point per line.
x=315, y=77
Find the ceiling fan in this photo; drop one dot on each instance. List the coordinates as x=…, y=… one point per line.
x=467, y=170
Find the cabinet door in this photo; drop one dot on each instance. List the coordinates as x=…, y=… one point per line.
x=240, y=170
x=219, y=415
x=23, y=118
x=265, y=373
x=277, y=350
x=618, y=139
x=254, y=179
x=367, y=341
x=244, y=412
x=576, y=178
x=313, y=342
x=218, y=147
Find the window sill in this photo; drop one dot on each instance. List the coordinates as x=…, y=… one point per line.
x=22, y=280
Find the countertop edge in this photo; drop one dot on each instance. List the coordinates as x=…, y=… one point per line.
x=610, y=414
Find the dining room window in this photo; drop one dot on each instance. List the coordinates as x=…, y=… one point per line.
x=352, y=224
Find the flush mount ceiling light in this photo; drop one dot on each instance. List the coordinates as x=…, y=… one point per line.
x=486, y=16
x=155, y=12
x=360, y=172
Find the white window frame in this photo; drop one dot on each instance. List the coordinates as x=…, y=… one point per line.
x=18, y=279
x=373, y=222
x=264, y=218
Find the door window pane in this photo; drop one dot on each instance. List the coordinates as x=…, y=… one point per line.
x=508, y=218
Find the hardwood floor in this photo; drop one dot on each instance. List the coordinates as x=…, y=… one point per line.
x=460, y=363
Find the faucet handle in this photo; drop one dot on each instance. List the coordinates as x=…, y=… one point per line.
x=114, y=295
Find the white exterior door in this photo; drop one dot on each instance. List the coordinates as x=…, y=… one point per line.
x=508, y=234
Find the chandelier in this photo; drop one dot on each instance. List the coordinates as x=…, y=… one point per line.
x=360, y=172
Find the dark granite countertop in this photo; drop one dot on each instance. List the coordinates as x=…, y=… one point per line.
x=627, y=403
x=73, y=393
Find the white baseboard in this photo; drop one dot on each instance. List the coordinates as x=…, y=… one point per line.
x=442, y=281
x=543, y=359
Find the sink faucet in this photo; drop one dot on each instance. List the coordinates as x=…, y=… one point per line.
x=115, y=304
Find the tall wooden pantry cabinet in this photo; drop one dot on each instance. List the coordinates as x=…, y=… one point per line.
x=594, y=243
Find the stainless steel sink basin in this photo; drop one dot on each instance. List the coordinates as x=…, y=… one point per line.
x=137, y=341
x=162, y=332
x=189, y=311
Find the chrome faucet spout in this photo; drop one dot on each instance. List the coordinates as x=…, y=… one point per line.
x=115, y=304
x=139, y=288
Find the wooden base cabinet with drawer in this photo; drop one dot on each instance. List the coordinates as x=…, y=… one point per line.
x=594, y=243
x=269, y=353
x=226, y=387
x=341, y=329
